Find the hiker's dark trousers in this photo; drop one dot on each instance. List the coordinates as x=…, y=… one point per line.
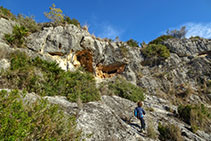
x=142, y=123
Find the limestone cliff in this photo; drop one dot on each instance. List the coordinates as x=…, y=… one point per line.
x=187, y=68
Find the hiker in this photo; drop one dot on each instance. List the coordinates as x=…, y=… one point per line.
x=139, y=113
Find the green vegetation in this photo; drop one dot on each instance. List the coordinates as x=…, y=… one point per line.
x=126, y=90
x=5, y=13
x=195, y=38
x=185, y=113
x=124, y=50
x=37, y=121
x=153, y=50
x=151, y=130
x=29, y=23
x=150, y=109
x=48, y=79
x=56, y=16
x=169, y=132
x=161, y=39
x=132, y=43
x=73, y=21
x=17, y=38
x=198, y=116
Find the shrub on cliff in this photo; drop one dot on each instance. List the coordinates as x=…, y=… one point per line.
x=177, y=33
x=48, y=79
x=38, y=121
x=154, y=54
x=132, y=43
x=161, y=39
x=151, y=132
x=198, y=116
x=17, y=38
x=5, y=13
x=58, y=18
x=126, y=90
x=154, y=50
x=169, y=132
x=73, y=21
x=55, y=14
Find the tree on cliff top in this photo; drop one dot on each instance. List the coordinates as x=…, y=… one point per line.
x=177, y=33
x=55, y=14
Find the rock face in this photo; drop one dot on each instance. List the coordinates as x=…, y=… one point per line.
x=4, y=64
x=6, y=28
x=73, y=47
x=188, y=47
x=112, y=118
x=187, y=69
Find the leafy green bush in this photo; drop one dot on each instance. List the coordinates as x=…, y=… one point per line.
x=73, y=21
x=161, y=39
x=169, y=132
x=126, y=90
x=5, y=13
x=17, y=38
x=198, y=116
x=153, y=50
x=9, y=38
x=67, y=20
x=37, y=121
x=132, y=43
x=47, y=78
x=155, y=54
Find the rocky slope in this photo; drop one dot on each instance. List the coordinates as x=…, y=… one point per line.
x=188, y=68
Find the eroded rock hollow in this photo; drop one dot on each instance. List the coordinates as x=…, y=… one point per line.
x=108, y=71
x=85, y=58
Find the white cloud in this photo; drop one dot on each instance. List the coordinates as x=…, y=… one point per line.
x=194, y=29
x=198, y=29
x=108, y=31
x=104, y=29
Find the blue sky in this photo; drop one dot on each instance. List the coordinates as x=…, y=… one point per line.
x=142, y=20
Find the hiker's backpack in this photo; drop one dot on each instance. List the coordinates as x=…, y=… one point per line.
x=138, y=112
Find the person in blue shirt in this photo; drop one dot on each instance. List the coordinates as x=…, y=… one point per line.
x=139, y=113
